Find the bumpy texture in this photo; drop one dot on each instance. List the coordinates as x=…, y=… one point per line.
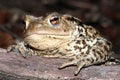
x=64, y=36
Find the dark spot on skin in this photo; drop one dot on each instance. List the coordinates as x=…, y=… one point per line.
x=56, y=51
x=68, y=44
x=83, y=41
x=88, y=59
x=99, y=54
x=86, y=33
x=100, y=44
x=98, y=39
x=80, y=30
x=108, y=43
x=81, y=35
x=51, y=51
x=61, y=53
x=71, y=59
x=68, y=49
x=93, y=50
x=83, y=60
x=78, y=42
x=106, y=48
x=96, y=58
x=85, y=55
x=96, y=33
x=87, y=52
x=54, y=37
x=102, y=51
x=78, y=56
x=80, y=23
x=76, y=47
x=90, y=28
x=105, y=58
x=64, y=30
x=89, y=47
x=92, y=60
x=70, y=19
x=82, y=53
x=95, y=54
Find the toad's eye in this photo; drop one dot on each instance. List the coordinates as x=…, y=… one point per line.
x=54, y=20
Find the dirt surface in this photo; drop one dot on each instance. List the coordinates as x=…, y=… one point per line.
x=104, y=15
x=14, y=67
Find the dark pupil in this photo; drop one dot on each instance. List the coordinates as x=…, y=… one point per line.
x=54, y=19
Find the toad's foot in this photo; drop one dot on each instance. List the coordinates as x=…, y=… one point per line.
x=79, y=64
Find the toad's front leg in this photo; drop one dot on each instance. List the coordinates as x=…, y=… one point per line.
x=20, y=47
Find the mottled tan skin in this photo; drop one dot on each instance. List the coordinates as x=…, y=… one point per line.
x=64, y=36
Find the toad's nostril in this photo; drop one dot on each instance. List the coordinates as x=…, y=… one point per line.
x=40, y=18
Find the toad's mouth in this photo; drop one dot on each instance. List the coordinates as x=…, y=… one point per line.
x=45, y=35
x=64, y=34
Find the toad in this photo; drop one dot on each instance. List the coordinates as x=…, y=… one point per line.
x=64, y=36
